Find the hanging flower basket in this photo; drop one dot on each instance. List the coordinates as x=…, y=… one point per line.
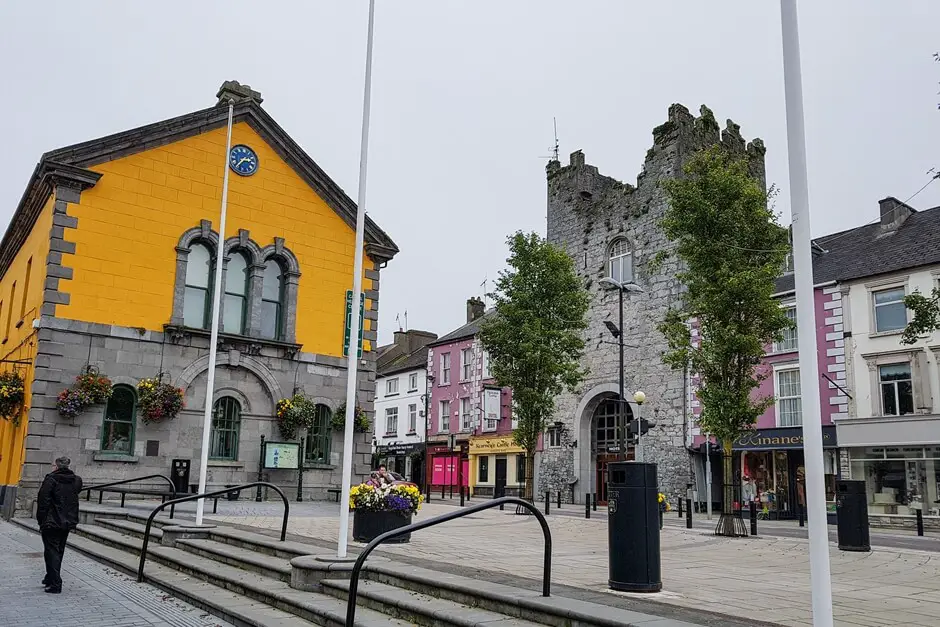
x=12, y=395
x=96, y=385
x=360, y=423
x=293, y=413
x=157, y=400
x=71, y=402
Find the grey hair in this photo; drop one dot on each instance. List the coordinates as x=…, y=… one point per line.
x=63, y=462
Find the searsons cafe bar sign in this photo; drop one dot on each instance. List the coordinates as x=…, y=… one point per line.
x=780, y=438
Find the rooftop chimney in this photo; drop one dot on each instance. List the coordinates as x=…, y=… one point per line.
x=893, y=212
x=475, y=309
x=237, y=92
x=412, y=340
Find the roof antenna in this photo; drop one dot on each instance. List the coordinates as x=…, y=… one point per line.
x=555, y=149
x=406, y=320
x=398, y=321
x=483, y=285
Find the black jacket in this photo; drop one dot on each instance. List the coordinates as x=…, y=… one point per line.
x=58, y=500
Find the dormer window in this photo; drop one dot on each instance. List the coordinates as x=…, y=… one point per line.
x=621, y=261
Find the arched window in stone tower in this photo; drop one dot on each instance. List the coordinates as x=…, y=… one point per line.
x=620, y=268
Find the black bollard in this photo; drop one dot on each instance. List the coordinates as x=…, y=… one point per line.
x=451, y=490
x=587, y=507
x=688, y=513
x=802, y=517
x=443, y=491
x=920, y=522
x=753, y=518
x=461, y=496
x=559, y=499
x=548, y=501
x=680, y=508
x=594, y=499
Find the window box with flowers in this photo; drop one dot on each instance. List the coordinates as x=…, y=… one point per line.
x=12, y=396
x=158, y=401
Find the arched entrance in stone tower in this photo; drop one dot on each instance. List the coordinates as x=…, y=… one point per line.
x=606, y=441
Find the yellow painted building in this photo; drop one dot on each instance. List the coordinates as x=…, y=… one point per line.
x=108, y=264
x=496, y=463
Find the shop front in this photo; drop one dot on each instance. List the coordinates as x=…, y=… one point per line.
x=770, y=468
x=406, y=459
x=497, y=466
x=899, y=480
x=447, y=470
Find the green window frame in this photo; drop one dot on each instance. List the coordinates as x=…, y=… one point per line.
x=197, y=301
x=226, y=427
x=319, y=435
x=119, y=424
x=272, y=300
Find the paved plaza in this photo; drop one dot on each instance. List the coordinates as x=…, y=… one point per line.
x=763, y=579
x=92, y=594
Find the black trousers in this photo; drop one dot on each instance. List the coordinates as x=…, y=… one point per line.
x=53, y=542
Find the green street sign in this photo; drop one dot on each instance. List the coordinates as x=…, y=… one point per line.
x=362, y=311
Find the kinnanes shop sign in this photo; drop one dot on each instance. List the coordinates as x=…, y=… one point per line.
x=780, y=438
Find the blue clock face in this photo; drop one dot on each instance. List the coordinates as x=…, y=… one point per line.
x=243, y=160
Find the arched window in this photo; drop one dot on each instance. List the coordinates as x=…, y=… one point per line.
x=272, y=299
x=621, y=261
x=117, y=430
x=196, y=300
x=318, y=437
x=235, y=304
x=226, y=422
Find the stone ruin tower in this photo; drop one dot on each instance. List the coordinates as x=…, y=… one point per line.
x=601, y=222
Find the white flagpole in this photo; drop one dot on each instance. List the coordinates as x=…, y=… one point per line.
x=353, y=357
x=215, y=313
x=820, y=577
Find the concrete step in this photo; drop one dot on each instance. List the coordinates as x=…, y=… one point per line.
x=128, y=528
x=246, y=559
x=420, y=609
x=227, y=590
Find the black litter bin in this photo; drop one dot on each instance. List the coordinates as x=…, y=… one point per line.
x=180, y=475
x=852, y=516
x=633, y=527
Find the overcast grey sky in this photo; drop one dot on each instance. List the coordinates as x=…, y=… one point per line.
x=463, y=99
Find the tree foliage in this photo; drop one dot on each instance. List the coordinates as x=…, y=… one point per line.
x=534, y=337
x=732, y=249
x=926, y=315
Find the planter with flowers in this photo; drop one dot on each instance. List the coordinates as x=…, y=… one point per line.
x=157, y=400
x=12, y=395
x=381, y=508
x=360, y=422
x=294, y=413
x=91, y=388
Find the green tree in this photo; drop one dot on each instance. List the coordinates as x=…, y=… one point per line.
x=731, y=249
x=926, y=315
x=534, y=337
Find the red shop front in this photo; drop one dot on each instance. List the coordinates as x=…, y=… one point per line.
x=444, y=471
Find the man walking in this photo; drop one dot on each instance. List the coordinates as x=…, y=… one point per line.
x=57, y=515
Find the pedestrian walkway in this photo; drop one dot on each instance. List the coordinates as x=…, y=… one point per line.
x=92, y=595
x=754, y=579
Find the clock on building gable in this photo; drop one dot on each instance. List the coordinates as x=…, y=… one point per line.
x=243, y=160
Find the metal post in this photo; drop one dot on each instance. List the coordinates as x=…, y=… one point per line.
x=680, y=508
x=300, y=471
x=461, y=496
x=352, y=361
x=820, y=573
x=799, y=506
x=753, y=518
x=548, y=501
x=587, y=507
x=621, y=423
x=920, y=522
x=639, y=433
x=594, y=503
x=708, y=475
x=688, y=513
x=559, y=499
x=260, y=472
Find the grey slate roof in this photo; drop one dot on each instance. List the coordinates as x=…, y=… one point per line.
x=87, y=154
x=870, y=250
x=397, y=362
x=465, y=332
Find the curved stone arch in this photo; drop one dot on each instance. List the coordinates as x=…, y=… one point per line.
x=291, y=268
x=251, y=364
x=322, y=400
x=243, y=243
x=202, y=234
x=583, y=418
x=237, y=394
x=120, y=379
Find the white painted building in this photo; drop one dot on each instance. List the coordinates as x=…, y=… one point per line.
x=400, y=404
x=890, y=437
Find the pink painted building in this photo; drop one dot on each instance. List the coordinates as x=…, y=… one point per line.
x=465, y=403
x=768, y=460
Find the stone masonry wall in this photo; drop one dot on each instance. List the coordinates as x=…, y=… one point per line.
x=587, y=211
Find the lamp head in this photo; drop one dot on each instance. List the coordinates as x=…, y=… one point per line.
x=639, y=397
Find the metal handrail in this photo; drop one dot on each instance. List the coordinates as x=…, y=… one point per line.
x=394, y=533
x=101, y=487
x=194, y=497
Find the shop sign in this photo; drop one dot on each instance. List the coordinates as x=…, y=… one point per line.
x=780, y=438
x=401, y=449
x=503, y=444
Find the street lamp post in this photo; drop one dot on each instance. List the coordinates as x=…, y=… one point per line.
x=617, y=332
x=428, y=384
x=639, y=398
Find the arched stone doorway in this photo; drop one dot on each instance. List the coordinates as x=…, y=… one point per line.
x=607, y=439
